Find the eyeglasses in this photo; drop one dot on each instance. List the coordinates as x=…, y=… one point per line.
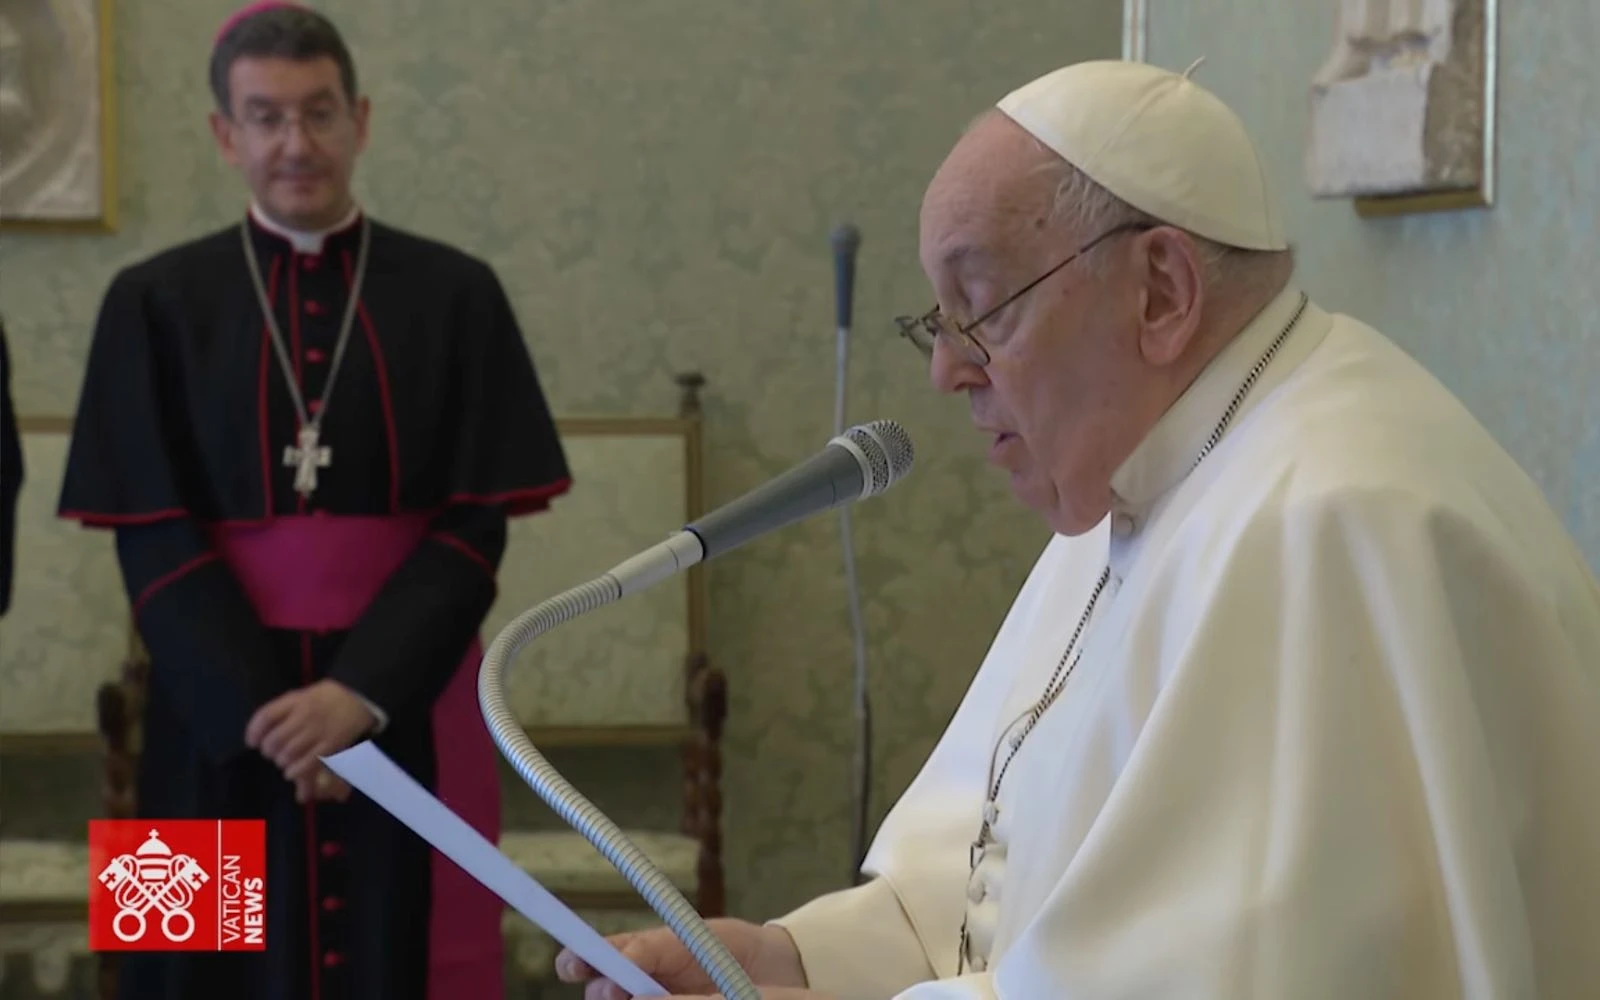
x=923, y=330
x=273, y=124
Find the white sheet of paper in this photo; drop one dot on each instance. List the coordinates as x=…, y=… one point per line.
x=370, y=770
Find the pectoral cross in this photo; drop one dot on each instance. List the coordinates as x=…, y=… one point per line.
x=975, y=851
x=307, y=459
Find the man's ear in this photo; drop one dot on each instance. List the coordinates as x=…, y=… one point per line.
x=363, y=112
x=222, y=131
x=1174, y=292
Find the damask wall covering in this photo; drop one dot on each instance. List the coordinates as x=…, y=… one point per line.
x=655, y=183
x=1501, y=304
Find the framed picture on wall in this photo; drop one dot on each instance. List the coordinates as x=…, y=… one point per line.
x=57, y=113
x=1402, y=110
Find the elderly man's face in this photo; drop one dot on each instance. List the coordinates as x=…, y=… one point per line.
x=1054, y=397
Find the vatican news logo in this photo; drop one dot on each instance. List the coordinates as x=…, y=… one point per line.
x=177, y=885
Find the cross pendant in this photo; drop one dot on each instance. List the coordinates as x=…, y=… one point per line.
x=977, y=848
x=307, y=459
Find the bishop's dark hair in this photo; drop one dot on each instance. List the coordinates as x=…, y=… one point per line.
x=290, y=32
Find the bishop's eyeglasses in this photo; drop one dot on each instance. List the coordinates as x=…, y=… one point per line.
x=273, y=123
x=923, y=330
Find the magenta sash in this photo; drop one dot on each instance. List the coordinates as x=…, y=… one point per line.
x=321, y=572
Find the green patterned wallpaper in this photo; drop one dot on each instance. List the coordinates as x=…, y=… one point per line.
x=655, y=183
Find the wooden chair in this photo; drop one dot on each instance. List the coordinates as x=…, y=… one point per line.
x=634, y=675
x=44, y=883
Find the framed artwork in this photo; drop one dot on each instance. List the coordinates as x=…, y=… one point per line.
x=57, y=115
x=1402, y=111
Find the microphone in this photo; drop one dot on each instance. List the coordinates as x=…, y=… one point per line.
x=846, y=241
x=862, y=462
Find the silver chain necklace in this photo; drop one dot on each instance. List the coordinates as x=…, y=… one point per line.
x=307, y=455
x=1064, y=668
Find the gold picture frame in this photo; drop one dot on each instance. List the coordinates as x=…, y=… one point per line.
x=104, y=218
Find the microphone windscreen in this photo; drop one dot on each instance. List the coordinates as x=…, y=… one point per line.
x=888, y=452
x=846, y=241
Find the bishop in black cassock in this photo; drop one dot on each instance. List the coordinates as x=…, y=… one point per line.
x=254, y=571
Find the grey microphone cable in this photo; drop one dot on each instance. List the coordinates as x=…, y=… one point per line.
x=862, y=462
x=846, y=241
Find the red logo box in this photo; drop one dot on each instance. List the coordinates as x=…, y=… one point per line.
x=178, y=885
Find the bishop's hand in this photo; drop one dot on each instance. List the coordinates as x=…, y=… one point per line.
x=767, y=955
x=295, y=729
x=322, y=785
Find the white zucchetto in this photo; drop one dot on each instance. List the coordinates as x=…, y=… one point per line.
x=1160, y=142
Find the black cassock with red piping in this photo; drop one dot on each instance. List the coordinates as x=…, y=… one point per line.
x=244, y=587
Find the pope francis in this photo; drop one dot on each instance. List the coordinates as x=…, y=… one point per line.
x=1301, y=702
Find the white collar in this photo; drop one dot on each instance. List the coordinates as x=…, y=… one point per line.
x=1167, y=454
x=306, y=242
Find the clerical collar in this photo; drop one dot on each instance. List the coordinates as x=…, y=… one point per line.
x=1168, y=452
x=306, y=242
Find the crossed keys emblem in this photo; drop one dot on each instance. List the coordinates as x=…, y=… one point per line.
x=153, y=879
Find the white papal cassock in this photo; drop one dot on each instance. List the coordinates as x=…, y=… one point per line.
x=1335, y=734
